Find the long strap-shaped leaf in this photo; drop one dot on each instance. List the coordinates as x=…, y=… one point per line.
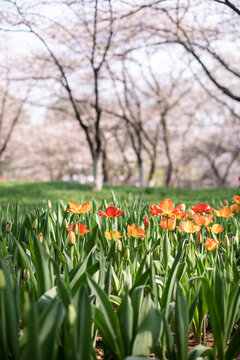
x=10, y=313
x=214, y=318
x=167, y=293
x=84, y=325
x=109, y=315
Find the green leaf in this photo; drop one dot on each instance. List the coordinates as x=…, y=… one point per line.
x=167, y=292
x=11, y=314
x=92, y=240
x=181, y=324
x=76, y=276
x=195, y=353
x=137, y=358
x=42, y=265
x=214, y=317
x=28, y=265
x=234, y=347
x=84, y=325
x=149, y=329
x=169, y=340
x=50, y=322
x=194, y=304
x=125, y=317
x=153, y=284
x=31, y=344
x=166, y=251
x=109, y=315
x=136, y=300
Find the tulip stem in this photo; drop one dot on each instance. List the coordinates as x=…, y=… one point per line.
x=71, y=254
x=78, y=243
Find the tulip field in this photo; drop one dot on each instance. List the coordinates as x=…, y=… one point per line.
x=120, y=280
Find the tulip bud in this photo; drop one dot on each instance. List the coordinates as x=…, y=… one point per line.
x=146, y=222
x=2, y=280
x=233, y=239
x=229, y=274
x=119, y=245
x=9, y=227
x=71, y=314
x=75, y=228
x=40, y=236
x=49, y=204
x=65, y=224
x=46, y=247
x=26, y=275
x=71, y=238
x=35, y=224
x=148, y=260
x=226, y=241
x=199, y=238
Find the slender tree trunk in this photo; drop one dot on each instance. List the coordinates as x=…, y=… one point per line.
x=105, y=167
x=141, y=171
x=151, y=176
x=167, y=150
x=97, y=172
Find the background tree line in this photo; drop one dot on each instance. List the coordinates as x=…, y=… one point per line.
x=143, y=92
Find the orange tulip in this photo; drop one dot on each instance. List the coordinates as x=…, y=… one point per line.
x=202, y=220
x=201, y=208
x=78, y=209
x=188, y=227
x=169, y=224
x=211, y=244
x=164, y=208
x=215, y=228
x=234, y=208
x=236, y=199
x=180, y=212
x=82, y=229
x=181, y=207
x=223, y=212
x=111, y=212
x=154, y=210
x=114, y=235
x=134, y=232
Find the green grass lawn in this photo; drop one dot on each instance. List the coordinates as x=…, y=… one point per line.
x=37, y=193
